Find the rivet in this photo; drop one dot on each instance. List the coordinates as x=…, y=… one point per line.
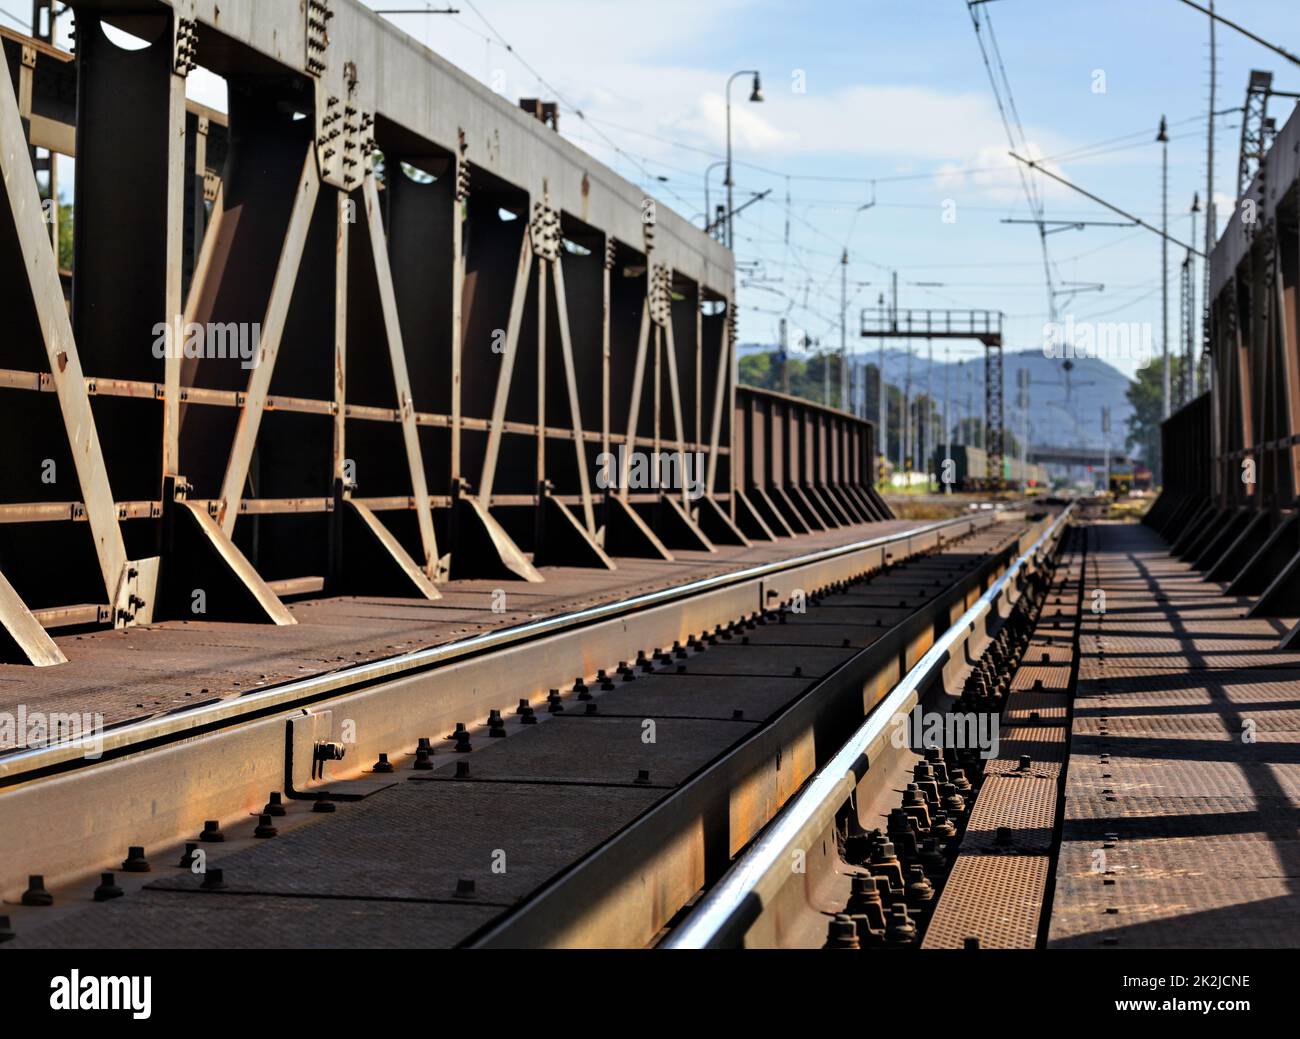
x=382, y=765
x=107, y=888
x=135, y=861
x=212, y=832
x=36, y=895
x=264, y=827
x=213, y=880
x=324, y=804
x=275, y=805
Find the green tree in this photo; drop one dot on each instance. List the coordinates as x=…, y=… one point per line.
x=65, y=238
x=758, y=370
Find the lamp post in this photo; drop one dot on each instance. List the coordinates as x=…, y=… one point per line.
x=1162, y=138
x=755, y=96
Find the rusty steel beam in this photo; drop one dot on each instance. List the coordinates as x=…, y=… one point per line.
x=247, y=472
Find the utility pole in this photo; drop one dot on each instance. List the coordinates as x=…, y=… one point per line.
x=968, y=437
x=844, y=328
x=1162, y=138
x=947, y=421
x=1192, y=374
x=880, y=380
x=1105, y=437
x=926, y=430
x=909, y=431
x=1209, y=194
x=785, y=357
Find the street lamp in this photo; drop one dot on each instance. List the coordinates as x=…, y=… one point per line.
x=755, y=96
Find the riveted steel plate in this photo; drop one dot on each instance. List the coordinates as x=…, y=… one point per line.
x=1133, y=616
x=1053, y=676
x=1222, y=857
x=1049, y=651
x=573, y=748
x=1167, y=775
x=1027, y=707
x=698, y=696
x=995, y=898
x=1113, y=654
x=1179, y=623
x=1164, y=692
x=1228, y=719
x=173, y=920
x=415, y=841
x=1025, y=805
x=1043, y=743
x=774, y=661
x=1038, y=769
x=835, y=636
x=1090, y=817
x=854, y=617
x=1175, y=913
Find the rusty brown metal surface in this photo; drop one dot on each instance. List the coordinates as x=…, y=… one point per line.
x=764, y=902
x=521, y=791
x=996, y=894
x=126, y=676
x=1184, y=773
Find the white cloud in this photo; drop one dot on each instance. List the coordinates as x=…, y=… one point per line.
x=991, y=173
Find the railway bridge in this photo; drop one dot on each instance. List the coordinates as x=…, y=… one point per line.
x=389, y=558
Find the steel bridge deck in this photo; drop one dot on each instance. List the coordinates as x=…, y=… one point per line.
x=430, y=858
x=1183, y=791
x=148, y=671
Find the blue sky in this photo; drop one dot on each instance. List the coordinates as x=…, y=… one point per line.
x=898, y=90
x=895, y=93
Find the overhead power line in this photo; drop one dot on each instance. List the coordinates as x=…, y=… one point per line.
x=1245, y=32
x=1033, y=165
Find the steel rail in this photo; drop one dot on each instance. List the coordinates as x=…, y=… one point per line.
x=713, y=923
x=24, y=764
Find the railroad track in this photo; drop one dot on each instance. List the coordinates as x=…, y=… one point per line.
x=616, y=799
x=848, y=842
